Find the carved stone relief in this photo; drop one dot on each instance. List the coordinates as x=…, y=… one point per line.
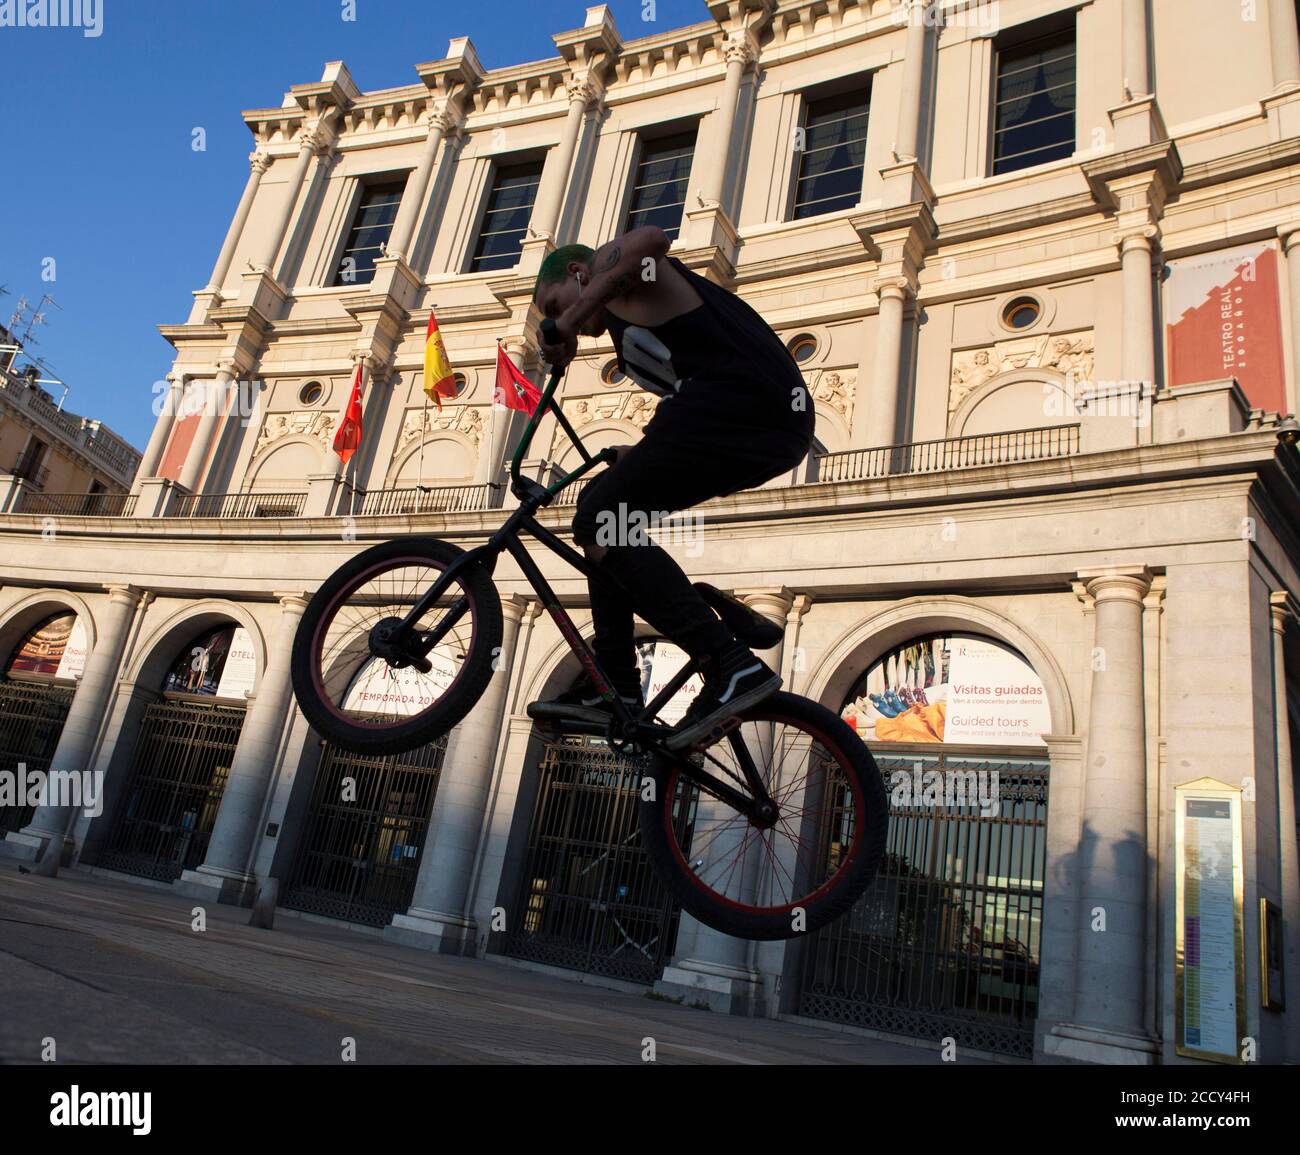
x=311, y=422
x=462, y=419
x=1067, y=353
x=834, y=388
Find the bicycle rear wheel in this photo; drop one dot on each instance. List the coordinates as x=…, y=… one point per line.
x=352, y=671
x=807, y=864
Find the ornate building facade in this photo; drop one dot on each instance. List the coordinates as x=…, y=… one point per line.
x=1044, y=283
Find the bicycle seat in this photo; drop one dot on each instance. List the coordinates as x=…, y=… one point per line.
x=748, y=625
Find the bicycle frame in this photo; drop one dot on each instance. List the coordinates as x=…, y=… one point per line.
x=627, y=728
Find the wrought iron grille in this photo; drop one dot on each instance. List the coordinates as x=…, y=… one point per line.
x=179, y=774
x=31, y=720
x=361, y=848
x=430, y=499
x=946, y=942
x=589, y=899
x=239, y=505
x=949, y=453
x=78, y=504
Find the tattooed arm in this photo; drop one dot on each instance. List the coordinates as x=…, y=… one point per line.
x=625, y=266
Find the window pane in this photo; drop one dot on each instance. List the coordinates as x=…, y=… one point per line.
x=834, y=154
x=509, y=208
x=1034, y=110
x=371, y=227
x=659, y=183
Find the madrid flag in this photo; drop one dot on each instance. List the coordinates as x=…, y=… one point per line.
x=513, y=389
x=348, y=437
x=438, y=379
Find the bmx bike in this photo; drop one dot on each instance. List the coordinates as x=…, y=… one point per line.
x=771, y=828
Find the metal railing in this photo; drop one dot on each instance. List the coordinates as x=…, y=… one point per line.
x=239, y=505
x=78, y=504
x=949, y=453
x=422, y=499
x=570, y=493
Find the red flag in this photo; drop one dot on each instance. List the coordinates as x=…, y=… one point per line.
x=513, y=389
x=348, y=437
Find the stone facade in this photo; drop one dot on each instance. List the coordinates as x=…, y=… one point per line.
x=1046, y=486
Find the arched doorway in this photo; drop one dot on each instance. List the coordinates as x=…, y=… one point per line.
x=946, y=943
x=35, y=694
x=362, y=842
x=182, y=757
x=590, y=900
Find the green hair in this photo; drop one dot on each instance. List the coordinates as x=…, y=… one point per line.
x=556, y=267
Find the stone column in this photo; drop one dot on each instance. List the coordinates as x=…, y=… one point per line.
x=1136, y=55
x=399, y=240
x=881, y=412
x=1284, y=611
x=1112, y=861
x=1290, y=236
x=907, y=143
x=162, y=427
x=258, y=163
x=583, y=90
x=252, y=770
x=1137, y=342
x=212, y=416
x=89, y=705
x=439, y=916
x=739, y=53
x=1284, y=43
x=310, y=141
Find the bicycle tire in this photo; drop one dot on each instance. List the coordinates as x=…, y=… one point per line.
x=851, y=880
x=470, y=682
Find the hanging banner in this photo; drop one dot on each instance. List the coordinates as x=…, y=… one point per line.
x=239, y=673
x=56, y=649
x=1209, y=951
x=1225, y=320
x=379, y=689
x=954, y=689
x=660, y=662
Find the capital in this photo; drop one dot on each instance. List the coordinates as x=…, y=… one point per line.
x=1283, y=608
x=895, y=287
x=739, y=48
x=123, y=594
x=585, y=87
x=1117, y=583
x=1140, y=237
x=259, y=161
x=1289, y=235
x=293, y=603
x=773, y=602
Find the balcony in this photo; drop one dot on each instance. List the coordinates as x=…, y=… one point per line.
x=423, y=499
x=76, y=504
x=237, y=505
x=949, y=453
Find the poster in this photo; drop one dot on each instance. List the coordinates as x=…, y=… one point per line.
x=379, y=689
x=1224, y=319
x=1209, y=960
x=56, y=649
x=955, y=689
x=239, y=673
x=660, y=663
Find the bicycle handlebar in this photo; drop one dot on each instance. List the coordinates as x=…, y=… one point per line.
x=550, y=334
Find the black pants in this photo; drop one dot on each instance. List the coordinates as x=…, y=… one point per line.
x=710, y=440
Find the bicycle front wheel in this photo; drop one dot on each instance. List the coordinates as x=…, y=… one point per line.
x=800, y=866
x=357, y=686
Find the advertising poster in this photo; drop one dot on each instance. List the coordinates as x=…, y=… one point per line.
x=240, y=671
x=379, y=689
x=1209, y=957
x=1225, y=320
x=56, y=650
x=953, y=689
x=660, y=663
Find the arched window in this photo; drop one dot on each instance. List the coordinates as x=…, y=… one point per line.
x=220, y=663
x=56, y=649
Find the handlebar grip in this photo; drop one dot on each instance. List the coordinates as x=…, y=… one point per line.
x=550, y=331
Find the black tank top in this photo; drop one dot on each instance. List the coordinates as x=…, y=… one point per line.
x=723, y=340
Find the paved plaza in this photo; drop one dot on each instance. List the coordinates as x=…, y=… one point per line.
x=114, y=973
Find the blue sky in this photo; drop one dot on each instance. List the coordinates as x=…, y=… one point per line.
x=101, y=175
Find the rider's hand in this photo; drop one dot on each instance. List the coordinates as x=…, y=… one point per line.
x=619, y=451
x=565, y=347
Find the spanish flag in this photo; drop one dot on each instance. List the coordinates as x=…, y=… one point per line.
x=438, y=379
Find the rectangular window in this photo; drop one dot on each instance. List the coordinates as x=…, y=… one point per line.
x=371, y=227
x=659, y=186
x=1033, y=118
x=509, y=208
x=833, y=154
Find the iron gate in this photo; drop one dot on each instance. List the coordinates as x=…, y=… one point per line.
x=31, y=720
x=359, y=853
x=589, y=899
x=171, y=800
x=946, y=941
